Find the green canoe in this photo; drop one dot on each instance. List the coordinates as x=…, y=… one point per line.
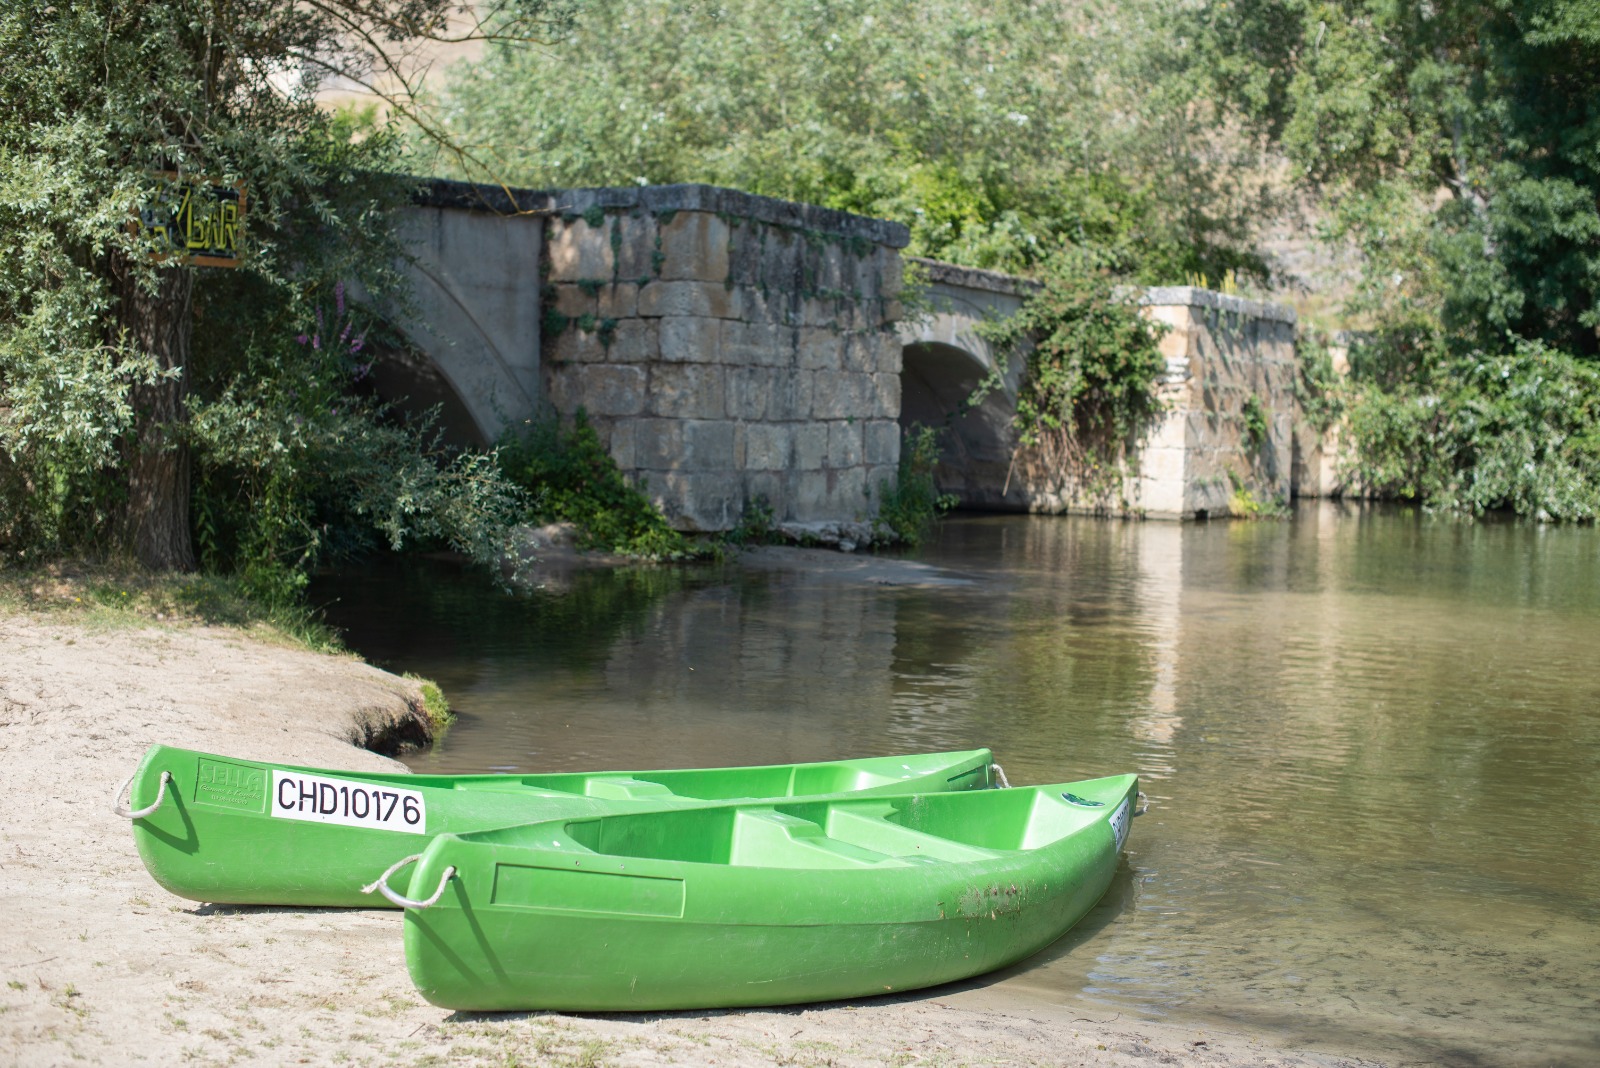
x=218, y=829
x=758, y=903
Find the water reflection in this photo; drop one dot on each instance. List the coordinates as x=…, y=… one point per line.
x=1371, y=741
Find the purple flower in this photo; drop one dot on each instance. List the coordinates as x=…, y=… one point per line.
x=338, y=297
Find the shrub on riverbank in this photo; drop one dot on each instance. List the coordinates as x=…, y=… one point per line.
x=571, y=478
x=1478, y=432
x=908, y=509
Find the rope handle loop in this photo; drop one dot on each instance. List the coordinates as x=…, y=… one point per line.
x=381, y=885
x=161, y=795
x=1000, y=773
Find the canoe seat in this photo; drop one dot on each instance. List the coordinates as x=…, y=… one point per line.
x=766, y=839
x=623, y=788
x=869, y=831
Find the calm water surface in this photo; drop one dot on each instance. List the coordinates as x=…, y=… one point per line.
x=1371, y=742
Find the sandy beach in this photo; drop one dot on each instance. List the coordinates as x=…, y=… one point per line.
x=102, y=966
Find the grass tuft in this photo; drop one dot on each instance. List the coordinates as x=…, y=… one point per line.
x=111, y=596
x=434, y=702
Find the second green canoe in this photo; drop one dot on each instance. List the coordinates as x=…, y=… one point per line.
x=767, y=903
x=220, y=829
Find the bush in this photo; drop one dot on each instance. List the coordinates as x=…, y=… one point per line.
x=295, y=468
x=1518, y=431
x=1318, y=388
x=1090, y=366
x=571, y=478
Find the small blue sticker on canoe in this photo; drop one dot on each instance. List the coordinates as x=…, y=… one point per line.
x=1074, y=799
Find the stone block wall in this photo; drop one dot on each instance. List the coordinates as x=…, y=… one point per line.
x=728, y=349
x=1230, y=419
x=733, y=350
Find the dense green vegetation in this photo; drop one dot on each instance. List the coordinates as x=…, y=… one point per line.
x=570, y=478
x=1457, y=146
x=1090, y=364
x=996, y=131
x=907, y=510
x=180, y=415
x=1479, y=431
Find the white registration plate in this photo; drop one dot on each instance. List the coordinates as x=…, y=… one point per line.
x=296, y=796
x=1119, y=820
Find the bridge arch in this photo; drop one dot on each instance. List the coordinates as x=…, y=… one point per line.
x=944, y=360
x=475, y=285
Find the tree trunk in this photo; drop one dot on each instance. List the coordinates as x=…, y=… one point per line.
x=159, y=323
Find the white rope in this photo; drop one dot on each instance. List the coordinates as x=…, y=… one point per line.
x=161, y=795
x=1000, y=773
x=381, y=885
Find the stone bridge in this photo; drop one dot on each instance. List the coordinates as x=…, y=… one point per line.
x=732, y=349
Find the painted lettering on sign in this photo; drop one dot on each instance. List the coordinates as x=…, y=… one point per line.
x=194, y=222
x=297, y=796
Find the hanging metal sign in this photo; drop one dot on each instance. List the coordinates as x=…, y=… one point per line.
x=193, y=222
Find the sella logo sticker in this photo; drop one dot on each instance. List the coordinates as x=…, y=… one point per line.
x=226, y=785
x=296, y=796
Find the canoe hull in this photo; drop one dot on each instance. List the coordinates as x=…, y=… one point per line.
x=234, y=831
x=557, y=928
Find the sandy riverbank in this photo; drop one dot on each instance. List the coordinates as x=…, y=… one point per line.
x=99, y=965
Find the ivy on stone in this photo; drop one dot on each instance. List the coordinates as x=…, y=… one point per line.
x=1090, y=364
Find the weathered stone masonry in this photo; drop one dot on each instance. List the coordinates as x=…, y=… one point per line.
x=729, y=349
x=1227, y=359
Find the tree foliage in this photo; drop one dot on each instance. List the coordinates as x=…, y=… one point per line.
x=1457, y=144
x=118, y=371
x=996, y=131
x=1458, y=140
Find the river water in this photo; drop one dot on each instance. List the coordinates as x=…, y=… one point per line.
x=1370, y=740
